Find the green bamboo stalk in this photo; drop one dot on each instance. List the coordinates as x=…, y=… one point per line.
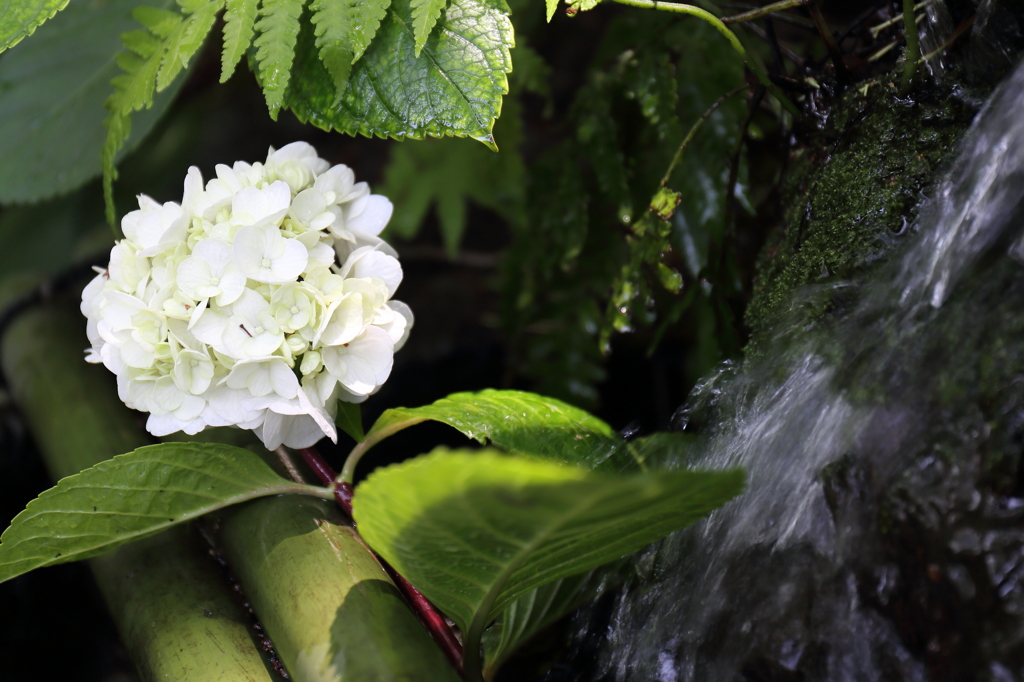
x=329, y=607
x=170, y=603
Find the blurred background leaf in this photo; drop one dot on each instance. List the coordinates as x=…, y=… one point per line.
x=52, y=90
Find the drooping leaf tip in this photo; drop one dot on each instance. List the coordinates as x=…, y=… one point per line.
x=487, y=140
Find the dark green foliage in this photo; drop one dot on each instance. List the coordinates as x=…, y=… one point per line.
x=592, y=259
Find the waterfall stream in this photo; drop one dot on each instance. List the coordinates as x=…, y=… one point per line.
x=882, y=533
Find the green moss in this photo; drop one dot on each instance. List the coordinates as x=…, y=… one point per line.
x=853, y=190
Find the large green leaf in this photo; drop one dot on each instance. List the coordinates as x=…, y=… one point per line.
x=454, y=87
x=527, y=616
x=520, y=422
x=133, y=496
x=51, y=111
x=19, y=18
x=475, y=531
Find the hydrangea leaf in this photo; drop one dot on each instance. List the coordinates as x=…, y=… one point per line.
x=527, y=616
x=20, y=18
x=350, y=420
x=133, y=496
x=475, y=531
x=517, y=421
x=448, y=173
x=239, y=26
x=454, y=87
x=51, y=114
x=279, y=30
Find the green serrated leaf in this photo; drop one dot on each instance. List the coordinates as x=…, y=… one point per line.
x=279, y=29
x=520, y=422
x=425, y=14
x=133, y=496
x=527, y=616
x=335, y=22
x=159, y=21
x=239, y=26
x=454, y=87
x=20, y=18
x=142, y=43
x=552, y=5
x=185, y=41
x=475, y=531
x=581, y=6
x=51, y=112
x=344, y=29
x=366, y=20
x=350, y=420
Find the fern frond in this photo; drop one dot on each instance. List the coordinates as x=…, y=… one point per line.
x=344, y=29
x=425, y=14
x=239, y=25
x=133, y=90
x=160, y=22
x=150, y=62
x=279, y=30
x=366, y=20
x=186, y=40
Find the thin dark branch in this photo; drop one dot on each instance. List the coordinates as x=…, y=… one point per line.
x=830, y=42
x=859, y=22
x=786, y=52
x=756, y=14
x=734, y=173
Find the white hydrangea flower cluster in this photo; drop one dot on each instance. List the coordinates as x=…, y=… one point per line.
x=258, y=302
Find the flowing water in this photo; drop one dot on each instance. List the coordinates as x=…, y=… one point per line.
x=882, y=533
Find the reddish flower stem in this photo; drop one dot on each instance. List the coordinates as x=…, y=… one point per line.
x=320, y=467
x=431, y=618
x=421, y=606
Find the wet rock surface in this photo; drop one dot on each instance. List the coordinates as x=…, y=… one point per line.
x=880, y=417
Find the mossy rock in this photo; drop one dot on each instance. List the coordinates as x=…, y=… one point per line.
x=852, y=192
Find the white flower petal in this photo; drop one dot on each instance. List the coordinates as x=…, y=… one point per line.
x=373, y=216
x=367, y=262
x=290, y=264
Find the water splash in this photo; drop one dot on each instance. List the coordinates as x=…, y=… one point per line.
x=869, y=444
